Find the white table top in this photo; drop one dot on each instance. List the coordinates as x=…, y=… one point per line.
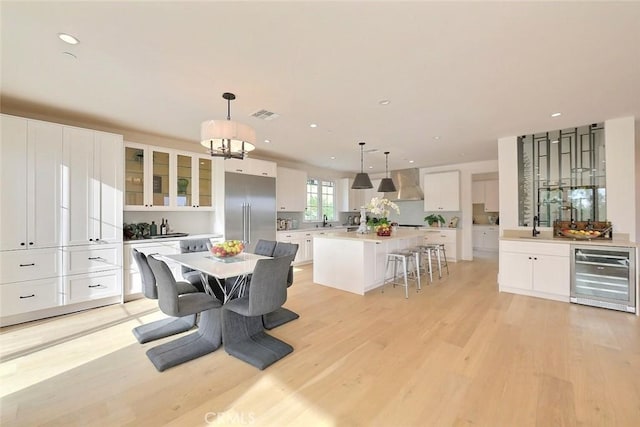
x=238, y=265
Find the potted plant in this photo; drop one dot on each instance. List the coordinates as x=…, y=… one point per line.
x=435, y=220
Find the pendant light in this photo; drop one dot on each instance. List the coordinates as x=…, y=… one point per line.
x=227, y=138
x=386, y=185
x=361, y=181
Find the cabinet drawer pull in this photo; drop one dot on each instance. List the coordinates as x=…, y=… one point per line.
x=28, y=265
x=97, y=286
x=96, y=258
x=27, y=296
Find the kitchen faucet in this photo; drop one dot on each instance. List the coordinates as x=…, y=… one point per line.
x=324, y=220
x=534, y=231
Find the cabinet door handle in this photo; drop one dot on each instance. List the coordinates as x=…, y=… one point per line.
x=31, y=243
x=22, y=243
x=27, y=296
x=96, y=258
x=96, y=286
x=28, y=265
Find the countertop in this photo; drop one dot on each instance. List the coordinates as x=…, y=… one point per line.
x=173, y=239
x=547, y=237
x=373, y=237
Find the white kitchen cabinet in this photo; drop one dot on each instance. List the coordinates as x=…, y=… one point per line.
x=536, y=269
x=251, y=167
x=486, y=238
x=93, y=286
x=442, y=192
x=291, y=190
x=486, y=192
x=304, y=240
x=162, y=179
x=30, y=172
x=450, y=237
x=18, y=266
x=491, y=196
x=24, y=297
x=350, y=200
x=92, y=187
x=132, y=281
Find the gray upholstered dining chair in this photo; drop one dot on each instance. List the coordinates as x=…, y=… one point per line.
x=243, y=334
x=164, y=327
x=263, y=247
x=195, y=277
x=282, y=315
x=205, y=340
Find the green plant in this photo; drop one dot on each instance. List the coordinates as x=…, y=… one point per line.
x=434, y=218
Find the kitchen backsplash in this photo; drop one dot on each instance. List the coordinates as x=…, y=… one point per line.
x=179, y=222
x=480, y=216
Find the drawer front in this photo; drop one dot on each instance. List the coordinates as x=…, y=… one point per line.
x=19, y=266
x=17, y=298
x=90, y=259
x=556, y=249
x=92, y=286
x=439, y=237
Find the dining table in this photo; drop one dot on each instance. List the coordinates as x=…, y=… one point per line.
x=238, y=267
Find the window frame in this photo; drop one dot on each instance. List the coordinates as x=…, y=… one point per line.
x=320, y=196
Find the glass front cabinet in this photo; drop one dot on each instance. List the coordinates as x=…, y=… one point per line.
x=163, y=179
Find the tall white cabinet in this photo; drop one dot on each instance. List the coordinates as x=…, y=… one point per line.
x=60, y=219
x=30, y=158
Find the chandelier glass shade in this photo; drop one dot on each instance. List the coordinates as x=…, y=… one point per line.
x=227, y=138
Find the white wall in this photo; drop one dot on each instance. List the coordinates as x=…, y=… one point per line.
x=620, y=141
x=467, y=170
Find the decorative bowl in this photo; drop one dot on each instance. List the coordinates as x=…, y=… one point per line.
x=581, y=234
x=227, y=249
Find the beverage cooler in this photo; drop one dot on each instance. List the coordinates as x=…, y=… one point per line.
x=604, y=276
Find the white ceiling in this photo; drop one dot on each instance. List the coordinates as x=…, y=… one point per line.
x=468, y=73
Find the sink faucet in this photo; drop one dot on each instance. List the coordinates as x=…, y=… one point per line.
x=324, y=220
x=535, y=221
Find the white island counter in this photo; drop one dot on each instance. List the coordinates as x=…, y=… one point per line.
x=355, y=262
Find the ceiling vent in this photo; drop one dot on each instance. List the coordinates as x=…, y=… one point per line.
x=265, y=115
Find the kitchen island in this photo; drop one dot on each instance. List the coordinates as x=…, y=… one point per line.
x=355, y=262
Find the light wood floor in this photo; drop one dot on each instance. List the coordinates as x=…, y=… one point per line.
x=458, y=353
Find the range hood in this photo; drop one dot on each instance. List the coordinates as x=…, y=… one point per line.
x=407, y=182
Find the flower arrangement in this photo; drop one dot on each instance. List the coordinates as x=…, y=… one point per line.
x=379, y=209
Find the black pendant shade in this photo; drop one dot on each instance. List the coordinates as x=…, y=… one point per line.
x=361, y=181
x=386, y=185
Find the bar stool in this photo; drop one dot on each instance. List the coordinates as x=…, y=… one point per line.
x=405, y=257
x=438, y=250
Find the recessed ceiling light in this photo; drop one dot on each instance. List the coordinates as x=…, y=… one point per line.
x=313, y=125
x=411, y=161
x=370, y=167
x=267, y=141
x=436, y=138
x=384, y=102
x=68, y=38
x=333, y=157
x=556, y=114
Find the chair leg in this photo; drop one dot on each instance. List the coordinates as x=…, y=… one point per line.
x=406, y=282
x=416, y=255
x=163, y=328
x=278, y=317
x=245, y=339
x=205, y=340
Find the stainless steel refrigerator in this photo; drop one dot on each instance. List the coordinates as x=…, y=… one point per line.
x=249, y=208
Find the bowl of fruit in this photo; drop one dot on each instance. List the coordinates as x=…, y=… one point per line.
x=227, y=249
x=581, y=234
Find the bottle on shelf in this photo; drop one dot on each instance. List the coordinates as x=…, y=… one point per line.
x=163, y=228
x=153, y=228
x=166, y=226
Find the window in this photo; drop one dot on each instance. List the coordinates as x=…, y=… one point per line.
x=321, y=196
